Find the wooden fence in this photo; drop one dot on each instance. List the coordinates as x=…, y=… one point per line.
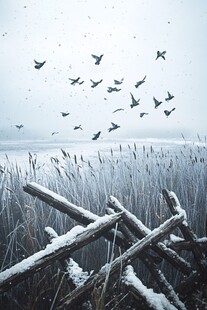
x=136, y=241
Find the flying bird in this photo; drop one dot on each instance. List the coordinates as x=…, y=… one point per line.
x=134, y=101
x=19, y=126
x=76, y=81
x=170, y=97
x=111, y=89
x=78, y=127
x=161, y=54
x=140, y=82
x=116, y=82
x=114, y=126
x=96, y=136
x=64, y=114
x=94, y=84
x=117, y=110
x=157, y=103
x=97, y=58
x=142, y=114
x=54, y=133
x=167, y=113
x=39, y=65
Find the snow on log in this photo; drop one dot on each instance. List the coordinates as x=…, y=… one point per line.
x=60, y=203
x=58, y=249
x=77, y=213
x=154, y=300
x=120, y=262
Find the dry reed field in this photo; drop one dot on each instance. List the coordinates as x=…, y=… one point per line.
x=134, y=176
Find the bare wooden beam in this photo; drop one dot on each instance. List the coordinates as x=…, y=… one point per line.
x=122, y=261
x=61, y=246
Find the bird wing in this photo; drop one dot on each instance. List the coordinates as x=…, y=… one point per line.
x=38, y=63
x=118, y=110
x=94, y=56
x=155, y=100
x=132, y=96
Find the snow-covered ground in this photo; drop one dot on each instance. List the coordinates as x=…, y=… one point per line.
x=18, y=151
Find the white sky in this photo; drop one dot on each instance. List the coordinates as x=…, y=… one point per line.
x=128, y=33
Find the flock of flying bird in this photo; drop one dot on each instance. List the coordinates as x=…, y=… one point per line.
x=39, y=65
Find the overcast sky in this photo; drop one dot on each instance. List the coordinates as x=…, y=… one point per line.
x=129, y=34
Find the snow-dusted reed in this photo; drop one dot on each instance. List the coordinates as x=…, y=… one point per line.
x=135, y=176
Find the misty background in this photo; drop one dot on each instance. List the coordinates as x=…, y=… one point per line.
x=128, y=34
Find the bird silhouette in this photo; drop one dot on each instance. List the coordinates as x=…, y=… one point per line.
x=78, y=127
x=116, y=82
x=157, y=103
x=96, y=136
x=19, y=126
x=111, y=89
x=76, y=81
x=114, y=127
x=64, y=114
x=170, y=97
x=161, y=54
x=54, y=133
x=97, y=58
x=134, y=101
x=142, y=114
x=39, y=65
x=140, y=82
x=94, y=84
x=167, y=113
x=117, y=110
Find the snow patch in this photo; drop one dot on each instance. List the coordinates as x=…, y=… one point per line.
x=175, y=238
x=76, y=273
x=156, y=301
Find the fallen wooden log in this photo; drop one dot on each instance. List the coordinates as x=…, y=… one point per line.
x=165, y=287
x=77, y=213
x=140, y=291
x=62, y=246
x=126, y=258
x=180, y=245
x=140, y=231
x=175, y=208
